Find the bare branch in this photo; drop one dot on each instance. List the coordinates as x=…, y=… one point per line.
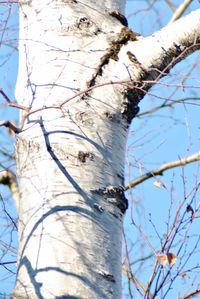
x=131, y=277
x=11, y=103
x=191, y=294
x=160, y=170
x=8, y=247
x=180, y=10
x=166, y=104
x=5, y=96
x=171, y=5
x=135, y=281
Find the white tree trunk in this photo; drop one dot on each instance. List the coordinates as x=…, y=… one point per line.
x=70, y=153
x=70, y=226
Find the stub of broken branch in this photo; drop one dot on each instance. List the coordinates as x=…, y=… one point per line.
x=10, y=125
x=7, y=178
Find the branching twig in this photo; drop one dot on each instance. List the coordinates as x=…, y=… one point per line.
x=160, y=170
x=135, y=281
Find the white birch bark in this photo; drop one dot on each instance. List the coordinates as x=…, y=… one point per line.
x=70, y=153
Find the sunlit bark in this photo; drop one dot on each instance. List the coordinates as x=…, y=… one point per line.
x=81, y=75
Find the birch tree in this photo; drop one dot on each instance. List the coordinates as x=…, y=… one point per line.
x=82, y=74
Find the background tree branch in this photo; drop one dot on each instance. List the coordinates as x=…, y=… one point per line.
x=191, y=294
x=159, y=171
x=180, y=10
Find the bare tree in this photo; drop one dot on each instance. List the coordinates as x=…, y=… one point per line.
x=82, y=74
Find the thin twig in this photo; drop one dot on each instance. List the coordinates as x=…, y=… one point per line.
x=171, y=5
x=166, y=105
x=191, y=294
x=8, y=247
x=11, y=103
x=5, y=96
x=135, y=281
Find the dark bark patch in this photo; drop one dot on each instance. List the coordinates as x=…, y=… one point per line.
x=83, y=23
x=83, y=156
x=122, y=39
x=115, y=196
x=125, y=35
x=108, y=276
x=129, y=108
x=133, y=58
x=117, y=15
x=129, y=111
x=108, y=115
x=99, y=208
x=112, y=117
x=70, y=1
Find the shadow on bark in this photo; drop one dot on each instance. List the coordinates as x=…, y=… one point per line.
x=38, y=285
x=24, y=261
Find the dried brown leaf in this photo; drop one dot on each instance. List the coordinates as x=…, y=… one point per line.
x=172, y=258
x=161, y=258
x=169, y=258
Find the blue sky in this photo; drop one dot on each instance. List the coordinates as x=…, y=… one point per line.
x=155, y=139
x=8, y=73
x=163, y=136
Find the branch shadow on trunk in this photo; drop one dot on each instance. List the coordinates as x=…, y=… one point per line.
x=24, y=261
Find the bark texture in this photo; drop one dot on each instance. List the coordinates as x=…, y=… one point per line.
x=70, y=157
x=81, y=75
